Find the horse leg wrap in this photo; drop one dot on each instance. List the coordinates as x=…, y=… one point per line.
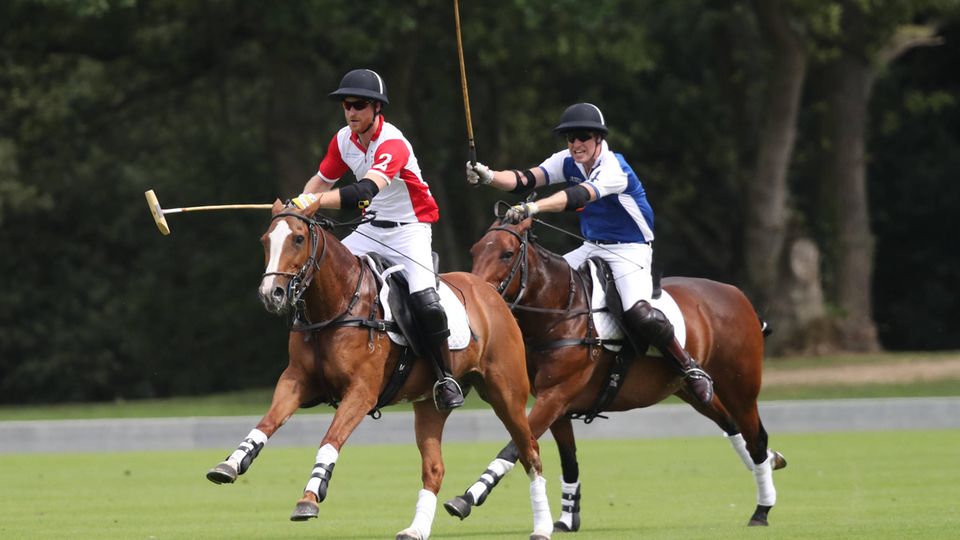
x=322, y=471
x=425, y=512
x=497, y=469
x=542, y=520
x=247, y=451
x=740, y=447
x=569, y=507
x=763, y=474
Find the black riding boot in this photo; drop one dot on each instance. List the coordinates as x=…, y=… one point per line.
x=432, y=322
x=647, y=325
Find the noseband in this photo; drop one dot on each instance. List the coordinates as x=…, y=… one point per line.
x=300, y=281
x=519, y=264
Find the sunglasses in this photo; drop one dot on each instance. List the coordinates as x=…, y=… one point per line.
x=355, y=105
x=582, y=136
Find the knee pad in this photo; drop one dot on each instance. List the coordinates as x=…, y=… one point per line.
x=430, y=316
x=649, y=324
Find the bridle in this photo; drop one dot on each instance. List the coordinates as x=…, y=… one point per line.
x=299, y=282
x=519, y=264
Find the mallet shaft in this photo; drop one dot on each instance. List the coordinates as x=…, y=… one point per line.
x=218, y=207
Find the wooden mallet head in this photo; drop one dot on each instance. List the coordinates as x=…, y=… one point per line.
x=157, y=212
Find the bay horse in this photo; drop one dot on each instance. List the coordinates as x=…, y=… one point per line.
x=571, y=371
x=347, y=360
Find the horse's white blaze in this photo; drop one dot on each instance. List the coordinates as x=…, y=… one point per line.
x=277, y=237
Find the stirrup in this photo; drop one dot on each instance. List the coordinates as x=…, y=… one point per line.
x=697, y=373
x=436, y=390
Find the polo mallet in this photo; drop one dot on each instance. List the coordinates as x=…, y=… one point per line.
x=159, y=213
x=463, y=84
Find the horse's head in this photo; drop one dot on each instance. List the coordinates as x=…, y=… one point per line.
x=290, y=248
x=500, y=257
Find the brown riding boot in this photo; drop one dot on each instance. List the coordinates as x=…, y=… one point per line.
x=699, y=381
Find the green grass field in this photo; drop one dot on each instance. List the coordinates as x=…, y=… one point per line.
x=873, y=486
x=255, y=402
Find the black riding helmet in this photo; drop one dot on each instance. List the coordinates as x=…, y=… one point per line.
x=363, y=83
x=581, y=117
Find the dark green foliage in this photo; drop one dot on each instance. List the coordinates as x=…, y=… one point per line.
x=225, y=102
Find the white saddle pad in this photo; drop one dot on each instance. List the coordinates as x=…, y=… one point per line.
x=607, y=327
x=456, y=313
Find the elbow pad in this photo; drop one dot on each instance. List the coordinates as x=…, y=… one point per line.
x=358, y=195
x=577, y=197
x=525, y=185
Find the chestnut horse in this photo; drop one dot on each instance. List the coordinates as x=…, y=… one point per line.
x=346, y=359
x=570, y=370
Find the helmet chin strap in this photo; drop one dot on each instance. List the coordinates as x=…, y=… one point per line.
x=374, y=121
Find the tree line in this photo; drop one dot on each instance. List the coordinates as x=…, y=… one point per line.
x=802, y=150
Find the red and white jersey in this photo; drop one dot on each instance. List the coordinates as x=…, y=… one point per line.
x=406, y=198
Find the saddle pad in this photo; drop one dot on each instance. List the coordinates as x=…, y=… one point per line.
x=607, y=327
x=456, y=314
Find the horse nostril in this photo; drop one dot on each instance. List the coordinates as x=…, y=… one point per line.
x=278, y=294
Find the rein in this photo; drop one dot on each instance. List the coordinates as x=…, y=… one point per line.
x=299, y=282
x=521, y=263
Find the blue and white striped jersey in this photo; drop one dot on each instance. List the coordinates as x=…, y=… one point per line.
x=621, y=212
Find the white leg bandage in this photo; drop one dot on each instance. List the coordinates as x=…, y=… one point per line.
x=251, y=445
x=763, y=474
x=740, y=447
x=496, y=470
x=542, y=521
x=569, y=503
x=423, y=517
x=327, y=455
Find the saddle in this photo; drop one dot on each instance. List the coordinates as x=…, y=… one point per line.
x=394, y=294
x=607, y=308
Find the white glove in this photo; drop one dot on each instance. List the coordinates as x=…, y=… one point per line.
x=304, y=200
x=479, y=173
x=520, y=212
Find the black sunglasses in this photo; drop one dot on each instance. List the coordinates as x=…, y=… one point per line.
x=355, y=105
x=582, y=136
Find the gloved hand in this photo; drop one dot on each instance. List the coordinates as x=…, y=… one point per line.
x=479, y=173
x=304, y=200
x=520, y=212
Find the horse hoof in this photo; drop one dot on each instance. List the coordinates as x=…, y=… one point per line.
x=779, y=461
x=559, y=526
x=409, y=534
x=304, y=511
x=223, y=473
x=458, y=507
x=759, y=517
x=539, y=536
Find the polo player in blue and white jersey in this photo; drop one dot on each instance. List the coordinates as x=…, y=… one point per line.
x=616, y=221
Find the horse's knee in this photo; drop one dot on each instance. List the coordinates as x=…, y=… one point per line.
x=433, y=475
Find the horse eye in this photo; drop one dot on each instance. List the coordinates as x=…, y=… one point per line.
x=298, y=239
x=506, y=255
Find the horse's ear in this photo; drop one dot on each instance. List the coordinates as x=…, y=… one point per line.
x=277, y=206
x=313, y=208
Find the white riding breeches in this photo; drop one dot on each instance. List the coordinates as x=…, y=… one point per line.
x=630, y=264
x=409, y=245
